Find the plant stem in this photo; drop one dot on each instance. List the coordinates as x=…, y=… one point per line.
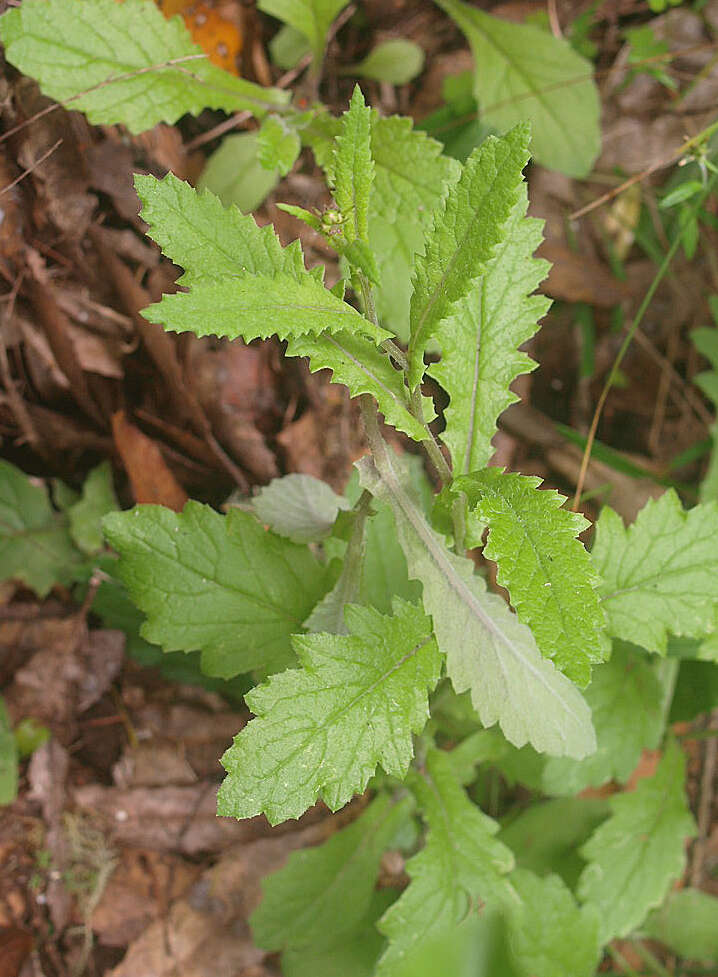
x=619, y=958
x=650, y=959
x=430, y=443
x=610, y=380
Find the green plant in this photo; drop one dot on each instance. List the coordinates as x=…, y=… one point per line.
x=378, y=658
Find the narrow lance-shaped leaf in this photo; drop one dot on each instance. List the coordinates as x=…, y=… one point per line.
x=353, y=170
x=488, y=650
x=524, y=72
x=321, y=730
x=209, y=240
x=364, y=369
x=258, y=306
x=221, y=584
x=466, y=229
x=542, y=564
x=123, y=63
x=410, y=181
x=461, y=866
x=480, y=341
x=660, y=576
x=323, y=894
x=639, y=851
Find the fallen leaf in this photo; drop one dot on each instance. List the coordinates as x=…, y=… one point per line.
x=206, y=932
x=179, y=819
x=150, y=477
x=15, y=947
x=139, y=891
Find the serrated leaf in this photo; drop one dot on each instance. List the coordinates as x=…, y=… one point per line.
x=480, y=342
x=462, y=865
x=687, y=923
x=98, y=498
x=487, y=648
x=321, y=730
x=544, y=836
x=8, y=758
x=322, y=894
x=523, y=72
x=628, y=705
x=660, y=576
x=278, y=145
x=353, y=169
x=258, y=306
x=544, y=567
x=395, y=61
x=363, y=369
x=549, y=934
x=234, y=173
x=312, y=18
x=35, y=545
x=221, y=584
x=123, y=63
x=300, y=507
x=410, y=182
x=208, y=240
x=466, y=229
x=639, y=851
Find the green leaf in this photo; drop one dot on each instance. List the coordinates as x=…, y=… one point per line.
x=35, y=545
x=300, y=507
x=461, y=866
x=684, y=191
x=410, y=183
x=322, y=895
x=544, y=567
x=278, y=146
x=466, y=229
x=487, y=648
x=687, y=923
x=8, y=758
x=351, y=956
x=364, y=369
x=98, y=498
x=312, y=18
x=544, y=836
x=353, y=169
x=549, y=935
x=411, y=177
x=321, y=730
x=395, y=62
x=480, y=342
x=522, y=73
x=660, y=576
x=235, y=174
x=123, y=63
x=288, y=47
x=221, y=584
x=208, y=240
x=113, y=606
x=258, y=306
x=639, y=851
x=628, y=707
